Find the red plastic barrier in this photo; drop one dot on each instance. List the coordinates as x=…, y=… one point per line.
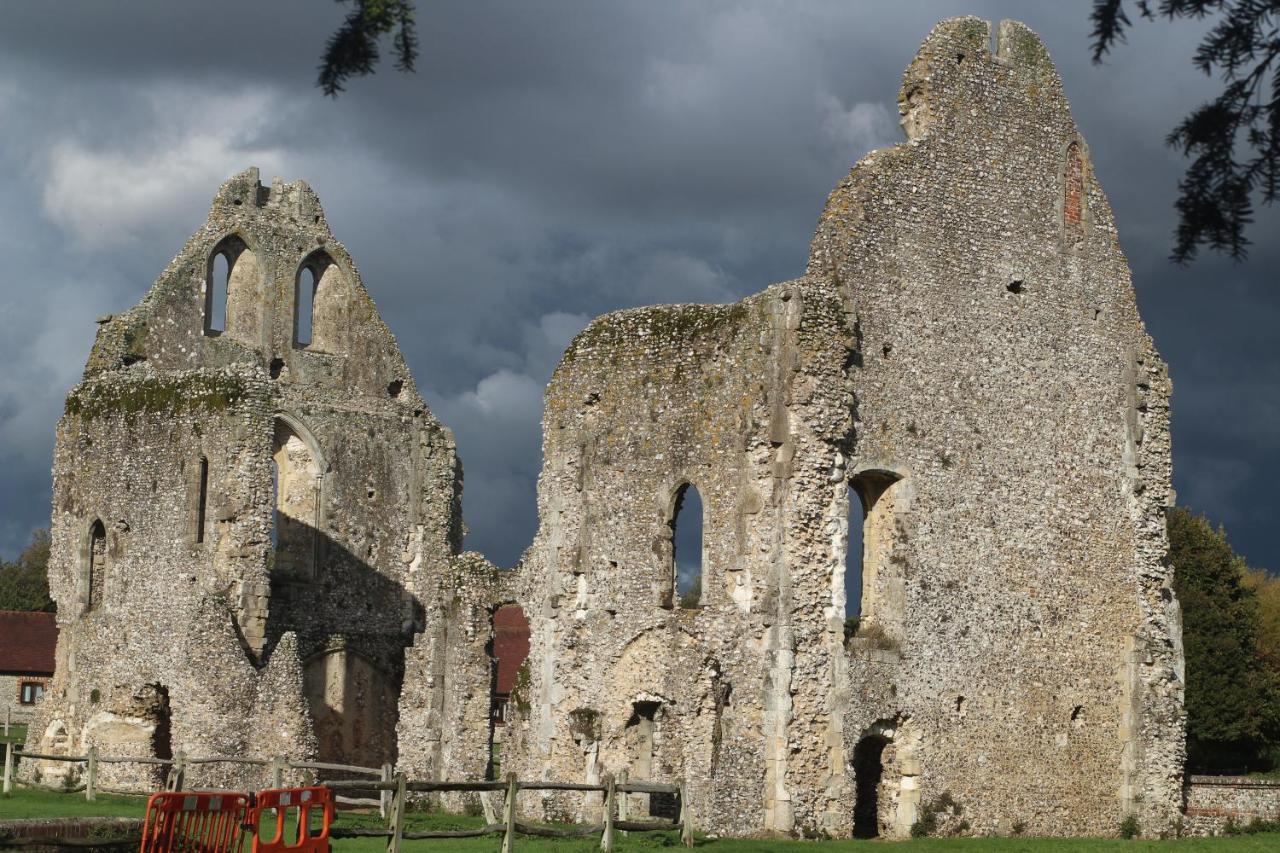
x=196, y=822
x=308, y=804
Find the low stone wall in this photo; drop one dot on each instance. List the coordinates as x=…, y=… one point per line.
x=1213, y=801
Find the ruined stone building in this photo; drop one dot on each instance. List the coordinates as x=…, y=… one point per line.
x=256, y=520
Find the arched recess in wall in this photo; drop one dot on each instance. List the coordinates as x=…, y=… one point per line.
x=93, y=561
x=297, y=478
x=233, y=302
x=353, y=707
x=684, y=521
x=874, y=505
x=507, y=653
x=1075, y=202
x=321, y=297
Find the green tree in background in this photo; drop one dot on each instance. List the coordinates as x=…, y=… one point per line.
x=24, y=585
x=1232, y=714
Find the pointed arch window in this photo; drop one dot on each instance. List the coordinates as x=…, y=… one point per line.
x=95, y=565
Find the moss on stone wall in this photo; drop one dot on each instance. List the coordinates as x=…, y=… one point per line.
x=172, y=394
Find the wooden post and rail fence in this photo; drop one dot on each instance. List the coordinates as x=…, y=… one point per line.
x=393, y=792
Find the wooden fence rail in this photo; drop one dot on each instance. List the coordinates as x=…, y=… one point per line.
x=393, y=792
x=179, y=763
x=510, y=826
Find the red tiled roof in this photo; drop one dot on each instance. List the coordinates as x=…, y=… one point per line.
x=27, y=642
x=510, y=645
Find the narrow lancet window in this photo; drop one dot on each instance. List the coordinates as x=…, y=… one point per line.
x=203, y=499
x=217, y=289
x=96, y=568
x=686, y=546
x=305, y=306
x=853, y=559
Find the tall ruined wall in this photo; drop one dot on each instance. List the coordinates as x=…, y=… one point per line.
x=245, y=506
x=1007, y=379
x=965, y=358
x=738, y=401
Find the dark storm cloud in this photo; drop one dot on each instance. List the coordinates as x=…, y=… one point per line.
x=549, y=162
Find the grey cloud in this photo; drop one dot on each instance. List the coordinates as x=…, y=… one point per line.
x=550, y=162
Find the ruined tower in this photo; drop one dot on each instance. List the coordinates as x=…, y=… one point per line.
x=962, y=364
x=247, y=489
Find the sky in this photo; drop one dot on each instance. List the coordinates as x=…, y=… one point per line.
x=549, y=162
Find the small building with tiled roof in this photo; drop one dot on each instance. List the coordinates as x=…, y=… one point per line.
x=27, y=645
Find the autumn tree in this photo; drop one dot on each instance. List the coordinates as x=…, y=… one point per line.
x=24, y=584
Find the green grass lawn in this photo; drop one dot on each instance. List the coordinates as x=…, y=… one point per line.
x=40, y=804
x=17, y=733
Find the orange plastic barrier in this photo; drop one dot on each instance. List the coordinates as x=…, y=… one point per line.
x=196, y=822
x=313, y=808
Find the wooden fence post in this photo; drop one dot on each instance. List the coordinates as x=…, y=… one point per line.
x=397, y=816
x=277, y=772
x=8, y=768
x=384, y=796
x=178, y=771
x=509, y=837
x=624, y=807
x=8, y=714
x=91, y=777
x=610, y=792
x=686, y=818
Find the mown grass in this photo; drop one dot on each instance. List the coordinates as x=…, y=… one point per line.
x=26, y=803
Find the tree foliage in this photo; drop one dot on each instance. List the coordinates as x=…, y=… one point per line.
x=1233, y=140
x=352, y=51
x=1232, y=716
x=1267, y=588
x=24, y=584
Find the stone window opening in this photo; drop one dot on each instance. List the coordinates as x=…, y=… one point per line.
x=95, y=565
x=960, y=705
x=233, y=291
x=215, y=306
x=1077, y=716
x=868, y=770
x=202, y=499
x=320, y=312
x=304, y=312
x=508, y=649
x=873, y=533
x=685, y=525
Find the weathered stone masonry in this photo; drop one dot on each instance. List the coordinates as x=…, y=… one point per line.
x=268, y=509
x=242, y=518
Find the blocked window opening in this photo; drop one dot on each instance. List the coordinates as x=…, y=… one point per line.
x=868, y=769
x=686, y=546
x=304, y=307
x=353, y=705
x=215, y=302
x=874, y=536
x=202, y=499
x=295, y=516
x=96, y=565
x=1073, y=201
